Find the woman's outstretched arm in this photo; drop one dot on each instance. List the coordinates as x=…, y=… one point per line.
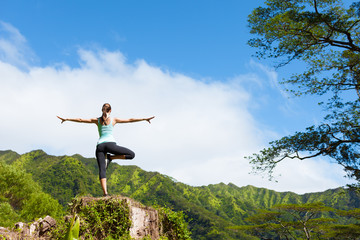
x=79, y=120
x=118, y=120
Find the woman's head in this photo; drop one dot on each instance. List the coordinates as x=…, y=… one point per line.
x=106, y=109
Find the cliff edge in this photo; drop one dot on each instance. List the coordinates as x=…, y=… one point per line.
x=118, y=216
x=114, y=217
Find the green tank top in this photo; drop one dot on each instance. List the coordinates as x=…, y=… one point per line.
x=105, y=132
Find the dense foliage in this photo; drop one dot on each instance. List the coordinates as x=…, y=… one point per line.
x=109, y=218
x=103, y=218
x=302, y=221
x=325, y=35
x=63, y=177
x=173, y=224
x=21, y=199
x=209, y=210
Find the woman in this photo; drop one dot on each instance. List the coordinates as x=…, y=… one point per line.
x=106, y=144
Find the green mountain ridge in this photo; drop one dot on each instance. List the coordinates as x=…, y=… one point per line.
x=210, y=209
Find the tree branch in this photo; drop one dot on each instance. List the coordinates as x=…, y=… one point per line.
x=348, y=45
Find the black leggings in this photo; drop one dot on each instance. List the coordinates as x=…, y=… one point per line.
x=110, y=147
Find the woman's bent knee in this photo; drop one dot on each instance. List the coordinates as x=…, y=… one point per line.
x=132, y=155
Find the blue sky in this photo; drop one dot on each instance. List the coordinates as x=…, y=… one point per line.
x=187, y=62
x=203, y=38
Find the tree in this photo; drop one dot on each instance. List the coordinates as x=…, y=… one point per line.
x=325, y=35
x=348, y=231
x=21, y=198
x=266, y=225
x=290, y=221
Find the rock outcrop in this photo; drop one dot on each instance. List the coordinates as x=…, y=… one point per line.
x=144, y=220
x=39, y=229
x=103, y=217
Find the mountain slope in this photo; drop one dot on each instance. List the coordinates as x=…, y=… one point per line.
x=210, y=209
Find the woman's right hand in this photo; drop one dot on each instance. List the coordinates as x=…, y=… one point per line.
x=62, y=119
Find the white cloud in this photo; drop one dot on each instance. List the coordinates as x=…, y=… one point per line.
x=200, y=135
x=13, y=46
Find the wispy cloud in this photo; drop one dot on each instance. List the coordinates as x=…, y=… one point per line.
x=13, y=47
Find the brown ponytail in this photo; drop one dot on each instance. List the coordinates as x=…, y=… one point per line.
x=106, y=108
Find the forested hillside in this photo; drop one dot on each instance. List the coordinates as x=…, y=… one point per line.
x=209, y=209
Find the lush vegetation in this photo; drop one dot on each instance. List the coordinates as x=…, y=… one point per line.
x=109, y=218
x=21, y=198
x=324, y=35
x=103, y=218
x=62, y=177
x=303, y=221
x=208, y=210
x=173, y=224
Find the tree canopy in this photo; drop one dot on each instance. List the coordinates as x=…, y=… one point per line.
x=22, y=199
x=303, y=221
x=323, y=34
